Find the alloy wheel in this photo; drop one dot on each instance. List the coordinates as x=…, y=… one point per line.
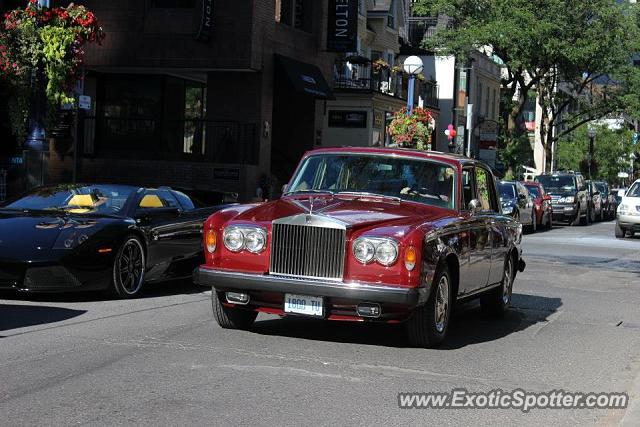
x=508, y=281
x=442, y=303
x=130, y=267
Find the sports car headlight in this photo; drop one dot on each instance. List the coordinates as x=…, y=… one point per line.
x=382, y=250
x=70, y=239
x=237, y=238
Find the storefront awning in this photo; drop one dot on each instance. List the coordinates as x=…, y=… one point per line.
x=305, y=78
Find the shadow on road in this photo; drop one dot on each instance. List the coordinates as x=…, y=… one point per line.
x=469, y=326
x=19, y=316
x=150, y=290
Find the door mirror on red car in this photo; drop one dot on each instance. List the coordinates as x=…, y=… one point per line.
x=474, y=206
x=546, y=197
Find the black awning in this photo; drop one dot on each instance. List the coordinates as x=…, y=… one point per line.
x=305, y=78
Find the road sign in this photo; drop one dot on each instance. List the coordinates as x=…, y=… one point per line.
x=84, y=102
x=623, y=175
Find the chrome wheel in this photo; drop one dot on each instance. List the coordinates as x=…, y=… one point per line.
x=129, y=267
x=507, y=282
x=442, y=304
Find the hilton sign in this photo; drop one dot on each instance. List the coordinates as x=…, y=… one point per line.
x=343, y=26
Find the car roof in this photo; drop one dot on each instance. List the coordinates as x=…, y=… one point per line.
x=395, y=151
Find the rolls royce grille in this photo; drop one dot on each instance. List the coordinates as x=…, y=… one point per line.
x=307, y=251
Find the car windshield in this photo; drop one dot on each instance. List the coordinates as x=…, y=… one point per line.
x=534, y=190
x=76, y=199
x=634, y=191
x=507, y=191
x=421, y=181
x=557, y=183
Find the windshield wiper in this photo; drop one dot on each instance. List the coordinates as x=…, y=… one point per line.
x=361, y=194
x=310, y=190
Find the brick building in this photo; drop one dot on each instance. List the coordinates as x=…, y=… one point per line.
x=223, y=94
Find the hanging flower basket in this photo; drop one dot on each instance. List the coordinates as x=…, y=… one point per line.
x=49, y=37
x=414, y=130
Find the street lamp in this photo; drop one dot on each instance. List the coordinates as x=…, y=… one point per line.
x=592, y=135
x=412, y=66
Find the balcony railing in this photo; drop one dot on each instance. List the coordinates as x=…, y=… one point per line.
x=360, y=78
x=422, y=28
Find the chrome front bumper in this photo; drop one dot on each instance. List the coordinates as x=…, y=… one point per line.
x=233, y=281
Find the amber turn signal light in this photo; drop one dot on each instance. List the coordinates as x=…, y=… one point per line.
x=211, y=240
x=410, y=258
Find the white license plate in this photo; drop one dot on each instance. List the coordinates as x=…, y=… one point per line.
x=303, y=304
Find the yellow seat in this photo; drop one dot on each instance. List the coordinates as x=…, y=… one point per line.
x=81, y=201
x=151, y=201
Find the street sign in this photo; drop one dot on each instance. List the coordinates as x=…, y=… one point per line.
x=623, y=175
x=84, y=102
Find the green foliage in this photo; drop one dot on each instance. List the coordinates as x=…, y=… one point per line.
x=56, y=45
x=611, y=152
x=515, y=152
x=576, y=54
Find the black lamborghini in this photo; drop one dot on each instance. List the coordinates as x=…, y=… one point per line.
x=90, y=237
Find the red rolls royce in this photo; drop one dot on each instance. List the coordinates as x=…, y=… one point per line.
x=366, y=234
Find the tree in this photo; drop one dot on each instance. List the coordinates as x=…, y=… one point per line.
x=576, y=55
x=611, y=152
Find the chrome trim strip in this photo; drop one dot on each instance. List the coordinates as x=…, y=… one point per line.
x=366, y=292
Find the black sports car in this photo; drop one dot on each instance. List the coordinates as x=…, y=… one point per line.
x=89, y=237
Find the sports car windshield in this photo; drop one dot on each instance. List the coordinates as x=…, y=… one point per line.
x=77, y=199
x=421, y=181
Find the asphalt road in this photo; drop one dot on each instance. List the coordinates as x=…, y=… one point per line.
x=161, y=360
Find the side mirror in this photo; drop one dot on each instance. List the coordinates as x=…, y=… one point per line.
x=474, y=206
x=546, y=197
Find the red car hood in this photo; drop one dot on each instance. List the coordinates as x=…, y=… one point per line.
x=356, y=212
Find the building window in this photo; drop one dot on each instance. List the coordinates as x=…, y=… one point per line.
x=493, y=106
x=391, y=18
x=486, y=103
x=173, y=4
x=478, y=107
x=296, y=13
x=195, y=110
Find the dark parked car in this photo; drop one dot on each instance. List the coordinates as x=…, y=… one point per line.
x=569, y=196
x=609, y=201
x=597, y=206
x=88, y=237
x=542, y=203
x=367, y=234
x=517, y=202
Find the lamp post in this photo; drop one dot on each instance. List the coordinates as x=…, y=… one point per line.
x=412, y=66
x=592, y=134
x=36, y=142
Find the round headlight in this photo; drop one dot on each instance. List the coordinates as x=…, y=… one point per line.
x=233, y=239
x=363, y=250
x=255, y=241
x=386, y=252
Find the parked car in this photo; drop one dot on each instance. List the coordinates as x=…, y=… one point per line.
x=609, y=202
x=89, y=237
x=542, y=203
x=628, y=221
x=569, y=196
x=517, y=202
x=366, y=234
x=597, y=209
